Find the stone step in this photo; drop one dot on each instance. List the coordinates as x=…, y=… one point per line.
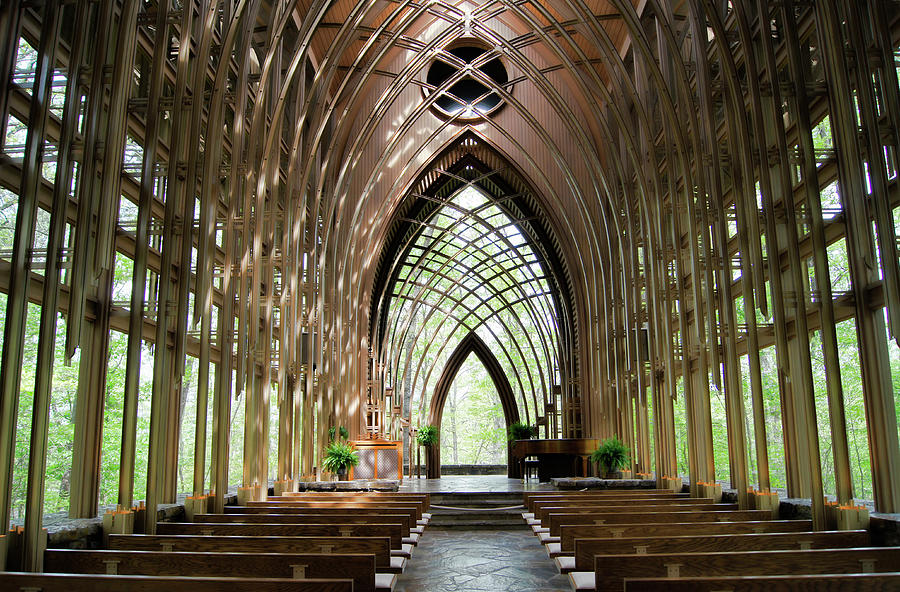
x=477, y=510
x=477, y=499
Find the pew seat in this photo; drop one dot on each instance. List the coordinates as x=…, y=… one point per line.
x=358, y=567
x=570, y=532
x=284, y=509
x=18, y=581
x=884, y=582
x=610, y=571
x=311, y=518
x=391, y=531
x=380, y=547
x=542, y=513
x=587, y=548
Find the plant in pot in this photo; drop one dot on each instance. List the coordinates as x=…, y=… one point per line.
x=339, y=456
x=612, y=456
x=520, y=431
x=428, y=437
x=340, y=430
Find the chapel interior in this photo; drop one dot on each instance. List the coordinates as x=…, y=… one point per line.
x=234, y=233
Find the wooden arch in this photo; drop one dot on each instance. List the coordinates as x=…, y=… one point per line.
x=471, y=343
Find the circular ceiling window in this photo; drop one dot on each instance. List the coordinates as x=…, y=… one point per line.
x=467, y=98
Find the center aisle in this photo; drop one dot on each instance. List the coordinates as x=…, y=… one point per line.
x=481, y=560
x=494, y=557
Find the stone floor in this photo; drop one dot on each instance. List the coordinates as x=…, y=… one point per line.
x=456, y=560
x=473, y=483
x=483, y=560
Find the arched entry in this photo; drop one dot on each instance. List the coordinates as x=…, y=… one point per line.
x=471, y=343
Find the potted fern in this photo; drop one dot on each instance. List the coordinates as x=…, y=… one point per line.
x=341, y=431
x=428, y=437
x=339, y=457
x=612, y=456
x=520, y=431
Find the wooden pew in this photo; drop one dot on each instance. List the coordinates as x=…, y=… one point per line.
x=391, y=531
x=543, y=512
x=886, y=582
x=410, y=535
x=555, y=520
x=540, y=503
x=610, y=571
x=107, y=583
x=614, y=501
x=359, y=568
x=308, y=518
x=377, y=495
x=380, y=547
x=406, y=498
x=423, y=500
x=630, y=492
x=586, y=549
x=530, y=515
x=569, y=533
x=532, y=496
x=415, y=525
x=414, y=508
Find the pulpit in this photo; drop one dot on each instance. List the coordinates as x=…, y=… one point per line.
x=378, y=459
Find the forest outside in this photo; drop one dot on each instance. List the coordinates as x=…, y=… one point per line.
x=473, y=428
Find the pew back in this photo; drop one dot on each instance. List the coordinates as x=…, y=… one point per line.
x=569, y=533
x=107, y=583
x=359, y=568
x=380, y=547
x=414, y=509
x=307, y=518
x=555, y=520
x=529, y=496
x=542, y=512
x=391, y=531
x=587, y=548
x=610, y=571
x=886, y=582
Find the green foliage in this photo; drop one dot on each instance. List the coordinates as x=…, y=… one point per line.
x=339, y=431
x=611, y=455
x=521, y=431
x=339, y=456
x=427, y=436
x=473, y=428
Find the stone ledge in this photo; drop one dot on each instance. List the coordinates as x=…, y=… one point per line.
x=884, y=529
x=568, y=483
x=87, y=533
x=355, y=485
